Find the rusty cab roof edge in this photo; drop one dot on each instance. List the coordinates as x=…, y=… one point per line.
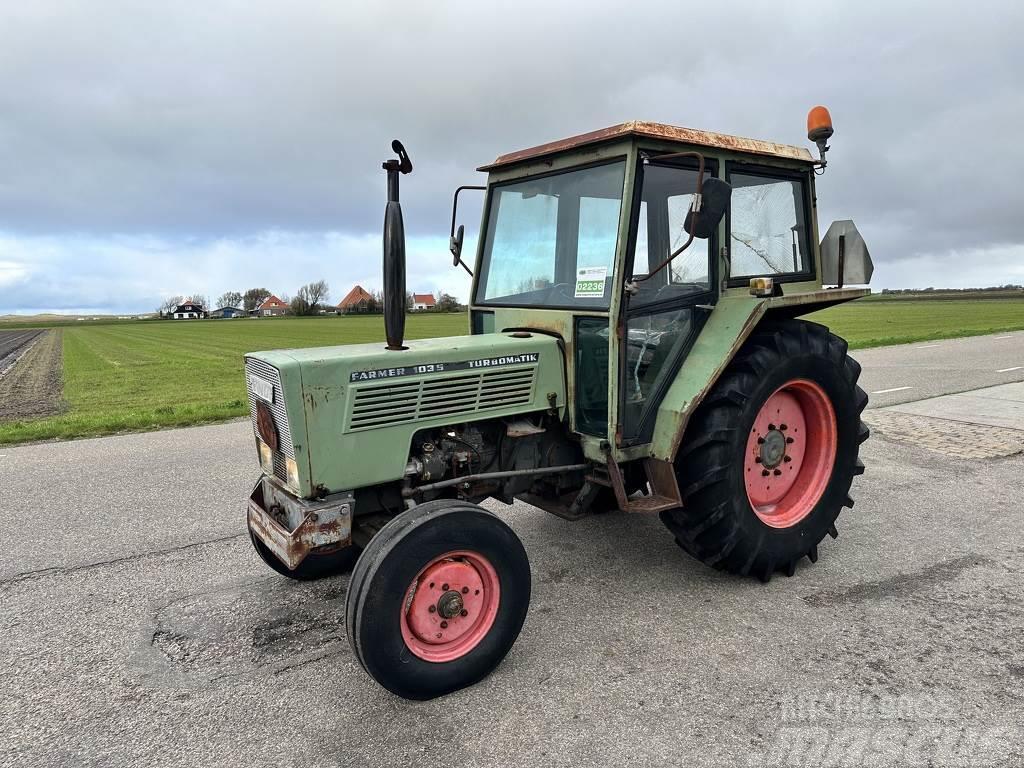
x=655, y=131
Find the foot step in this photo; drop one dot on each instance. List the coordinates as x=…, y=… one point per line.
x=650, y=504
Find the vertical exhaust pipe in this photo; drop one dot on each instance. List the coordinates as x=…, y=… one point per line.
x=394, y=251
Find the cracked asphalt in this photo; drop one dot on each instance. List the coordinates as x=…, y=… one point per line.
x=139, y=628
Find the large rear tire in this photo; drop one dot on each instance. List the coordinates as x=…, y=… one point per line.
x=768, y=458
x=437, y=599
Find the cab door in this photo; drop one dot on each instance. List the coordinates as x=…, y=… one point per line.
x=663, y=315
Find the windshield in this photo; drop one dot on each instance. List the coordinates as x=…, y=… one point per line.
x=551, y=240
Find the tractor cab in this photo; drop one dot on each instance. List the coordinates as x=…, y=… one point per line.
x=590, y=239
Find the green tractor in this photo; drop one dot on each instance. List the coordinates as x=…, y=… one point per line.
x=635, y=345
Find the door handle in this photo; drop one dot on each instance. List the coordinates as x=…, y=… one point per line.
x=708, y=307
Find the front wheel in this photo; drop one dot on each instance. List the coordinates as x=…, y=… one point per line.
x=768, y=459
x=437, y=599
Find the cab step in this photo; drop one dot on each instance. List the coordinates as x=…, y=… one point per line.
x=663, y=490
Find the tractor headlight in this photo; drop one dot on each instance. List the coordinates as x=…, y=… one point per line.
x=292, y=470
x=266, y=458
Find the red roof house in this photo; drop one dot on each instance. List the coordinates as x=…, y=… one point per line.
x=271, y=307
x=422, y=301
x=356, y=300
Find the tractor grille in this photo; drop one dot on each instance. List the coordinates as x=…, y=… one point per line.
x=381, y=405
x=286, y=449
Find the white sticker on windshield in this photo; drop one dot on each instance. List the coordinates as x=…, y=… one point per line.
x=590, y=282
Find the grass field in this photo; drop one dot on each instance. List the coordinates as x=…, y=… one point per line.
x=147, y=375
x=139, y=375
x=901, y=321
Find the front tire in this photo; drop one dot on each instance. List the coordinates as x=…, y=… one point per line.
x=769, y=457
x=437, y=599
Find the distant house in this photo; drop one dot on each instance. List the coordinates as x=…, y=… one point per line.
x=228, y=312
x=422, y=301
x=356, y=300
x=271, y=307
x=188, y=311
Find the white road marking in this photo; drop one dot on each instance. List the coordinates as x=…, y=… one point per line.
x=929, y=346
x=894, y=389
x=997, y=338
x=1007, y=370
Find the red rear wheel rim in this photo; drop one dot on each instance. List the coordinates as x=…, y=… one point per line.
x=450, y=606
x=790, y=453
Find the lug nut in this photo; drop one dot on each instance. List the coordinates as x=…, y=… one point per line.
x=465, y=590
x=771, y=427
x=786, y=458
x=444, y=587
x=463, y=612
x=760, y=441
x=757, y=459
x=778, y=471
x=765, y=473
x=782, y=427
x=789, y=440
x=432, y=609
x=444, y=625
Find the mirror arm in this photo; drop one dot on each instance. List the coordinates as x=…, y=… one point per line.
x=695, y=208
x=457, y=253
x=455, y=203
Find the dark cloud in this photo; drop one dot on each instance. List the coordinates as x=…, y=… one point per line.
x=222, y=120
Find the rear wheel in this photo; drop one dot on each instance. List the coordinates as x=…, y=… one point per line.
x=437, y=599
x=769, y=457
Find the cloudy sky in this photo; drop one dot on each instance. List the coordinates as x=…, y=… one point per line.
x=151, y=149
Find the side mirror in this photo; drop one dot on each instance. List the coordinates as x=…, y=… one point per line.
x=715, y=197
x=455, y=245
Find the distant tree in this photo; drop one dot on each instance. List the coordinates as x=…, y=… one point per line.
x=445, y=302
x=375, y=304
x=254, y=297
x=409, y=302
x=317, y=294
x=200, y=299
x=309, y=298
x=168, y=306
x=230, y=299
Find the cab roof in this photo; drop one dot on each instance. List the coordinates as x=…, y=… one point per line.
x=661, y=131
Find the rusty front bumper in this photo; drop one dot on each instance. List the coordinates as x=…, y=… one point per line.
x=292, y=527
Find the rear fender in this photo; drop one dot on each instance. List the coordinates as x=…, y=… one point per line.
x=733, y=320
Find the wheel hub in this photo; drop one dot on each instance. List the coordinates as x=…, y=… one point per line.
x=773, y=449
x=450, y=604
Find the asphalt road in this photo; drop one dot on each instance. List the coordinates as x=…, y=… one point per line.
x=915, y=371
x=139, y=628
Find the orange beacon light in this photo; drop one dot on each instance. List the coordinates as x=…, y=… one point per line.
x=819, y=130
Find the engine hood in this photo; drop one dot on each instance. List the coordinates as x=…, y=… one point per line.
x=353, y=410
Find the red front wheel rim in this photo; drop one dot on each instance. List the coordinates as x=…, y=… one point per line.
x=790, y=453
x=450, y=606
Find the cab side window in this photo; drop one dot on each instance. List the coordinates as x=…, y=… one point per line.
x=768, y=232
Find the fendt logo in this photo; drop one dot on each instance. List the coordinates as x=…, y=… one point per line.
x=425, y=368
